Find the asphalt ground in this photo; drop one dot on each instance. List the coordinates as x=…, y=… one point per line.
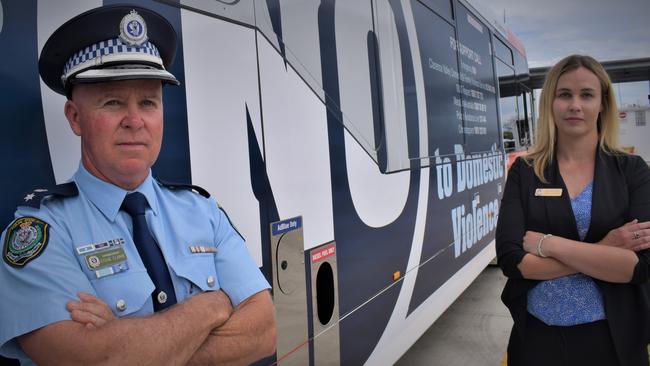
x=473, y=331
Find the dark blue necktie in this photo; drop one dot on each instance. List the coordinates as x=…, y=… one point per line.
x=163, y=296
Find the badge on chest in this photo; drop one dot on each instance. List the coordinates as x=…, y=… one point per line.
x=548, y=192
x=106, y=258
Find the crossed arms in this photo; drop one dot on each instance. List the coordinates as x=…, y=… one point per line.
x=202, y=330
x=613, y=259
x=621, y=256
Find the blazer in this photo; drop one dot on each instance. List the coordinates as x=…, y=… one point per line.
x=621, y=193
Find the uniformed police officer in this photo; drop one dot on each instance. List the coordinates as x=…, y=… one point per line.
x=116, y=267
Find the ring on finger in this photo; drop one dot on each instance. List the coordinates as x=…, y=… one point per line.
x=636, y=235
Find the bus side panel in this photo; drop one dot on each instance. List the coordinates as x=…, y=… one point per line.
x=367, y=256
x=461, y=100
x=222, y=87
x=24, y=154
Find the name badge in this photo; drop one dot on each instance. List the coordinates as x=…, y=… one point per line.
x=105, y=258
x=107, y=262
x=548, y=192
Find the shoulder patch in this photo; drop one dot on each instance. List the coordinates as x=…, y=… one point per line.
x=190, y=187
x=34, y=198
x=25, y=240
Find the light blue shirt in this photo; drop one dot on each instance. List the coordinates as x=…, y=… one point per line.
x=179, y=219
x=574, y=299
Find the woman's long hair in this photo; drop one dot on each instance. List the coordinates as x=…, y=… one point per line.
x=543, y=151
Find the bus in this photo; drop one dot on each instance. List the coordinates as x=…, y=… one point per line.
x=356, y=145
x=516, y=98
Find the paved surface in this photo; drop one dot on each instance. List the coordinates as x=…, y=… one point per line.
x=474, y=330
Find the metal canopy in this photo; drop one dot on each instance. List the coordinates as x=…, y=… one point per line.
x=620, y=71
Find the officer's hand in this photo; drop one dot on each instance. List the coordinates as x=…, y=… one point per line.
x=219, y=305
x=90, y=311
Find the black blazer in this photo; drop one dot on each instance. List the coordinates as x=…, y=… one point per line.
x=621, y=193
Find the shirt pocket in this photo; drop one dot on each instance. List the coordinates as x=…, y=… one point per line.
x=199, y=269
x=125, y=293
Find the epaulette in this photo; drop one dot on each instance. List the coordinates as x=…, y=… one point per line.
x=35, y=198
x=191, y=187
x=230, y=222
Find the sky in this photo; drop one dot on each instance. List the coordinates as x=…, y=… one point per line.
x=605, y=29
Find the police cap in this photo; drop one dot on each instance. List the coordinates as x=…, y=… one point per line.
x=109, y=43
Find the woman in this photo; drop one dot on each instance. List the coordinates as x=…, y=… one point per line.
x=573, y=231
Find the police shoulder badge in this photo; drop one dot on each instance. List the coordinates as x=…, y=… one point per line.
x=133, y=29
x=25, y=240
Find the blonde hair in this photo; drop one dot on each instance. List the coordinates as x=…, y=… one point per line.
x=543, y=151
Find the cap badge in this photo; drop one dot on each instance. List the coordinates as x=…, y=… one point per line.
x=133, y=29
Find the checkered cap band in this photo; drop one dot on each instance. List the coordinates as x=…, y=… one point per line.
x=113, y=46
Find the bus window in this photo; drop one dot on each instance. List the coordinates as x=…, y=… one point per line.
x=524, y=116
x=502, y=51
x=529, y=104
x=521, y=66
x=509, y=111
x=442, y=7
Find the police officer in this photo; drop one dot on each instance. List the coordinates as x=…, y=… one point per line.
x=114, y=266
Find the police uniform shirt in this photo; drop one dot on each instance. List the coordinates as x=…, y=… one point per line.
x=89, y=248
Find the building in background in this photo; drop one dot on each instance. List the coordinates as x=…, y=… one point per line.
x=635, y=129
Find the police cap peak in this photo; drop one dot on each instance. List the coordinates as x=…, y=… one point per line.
x=109, y=43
